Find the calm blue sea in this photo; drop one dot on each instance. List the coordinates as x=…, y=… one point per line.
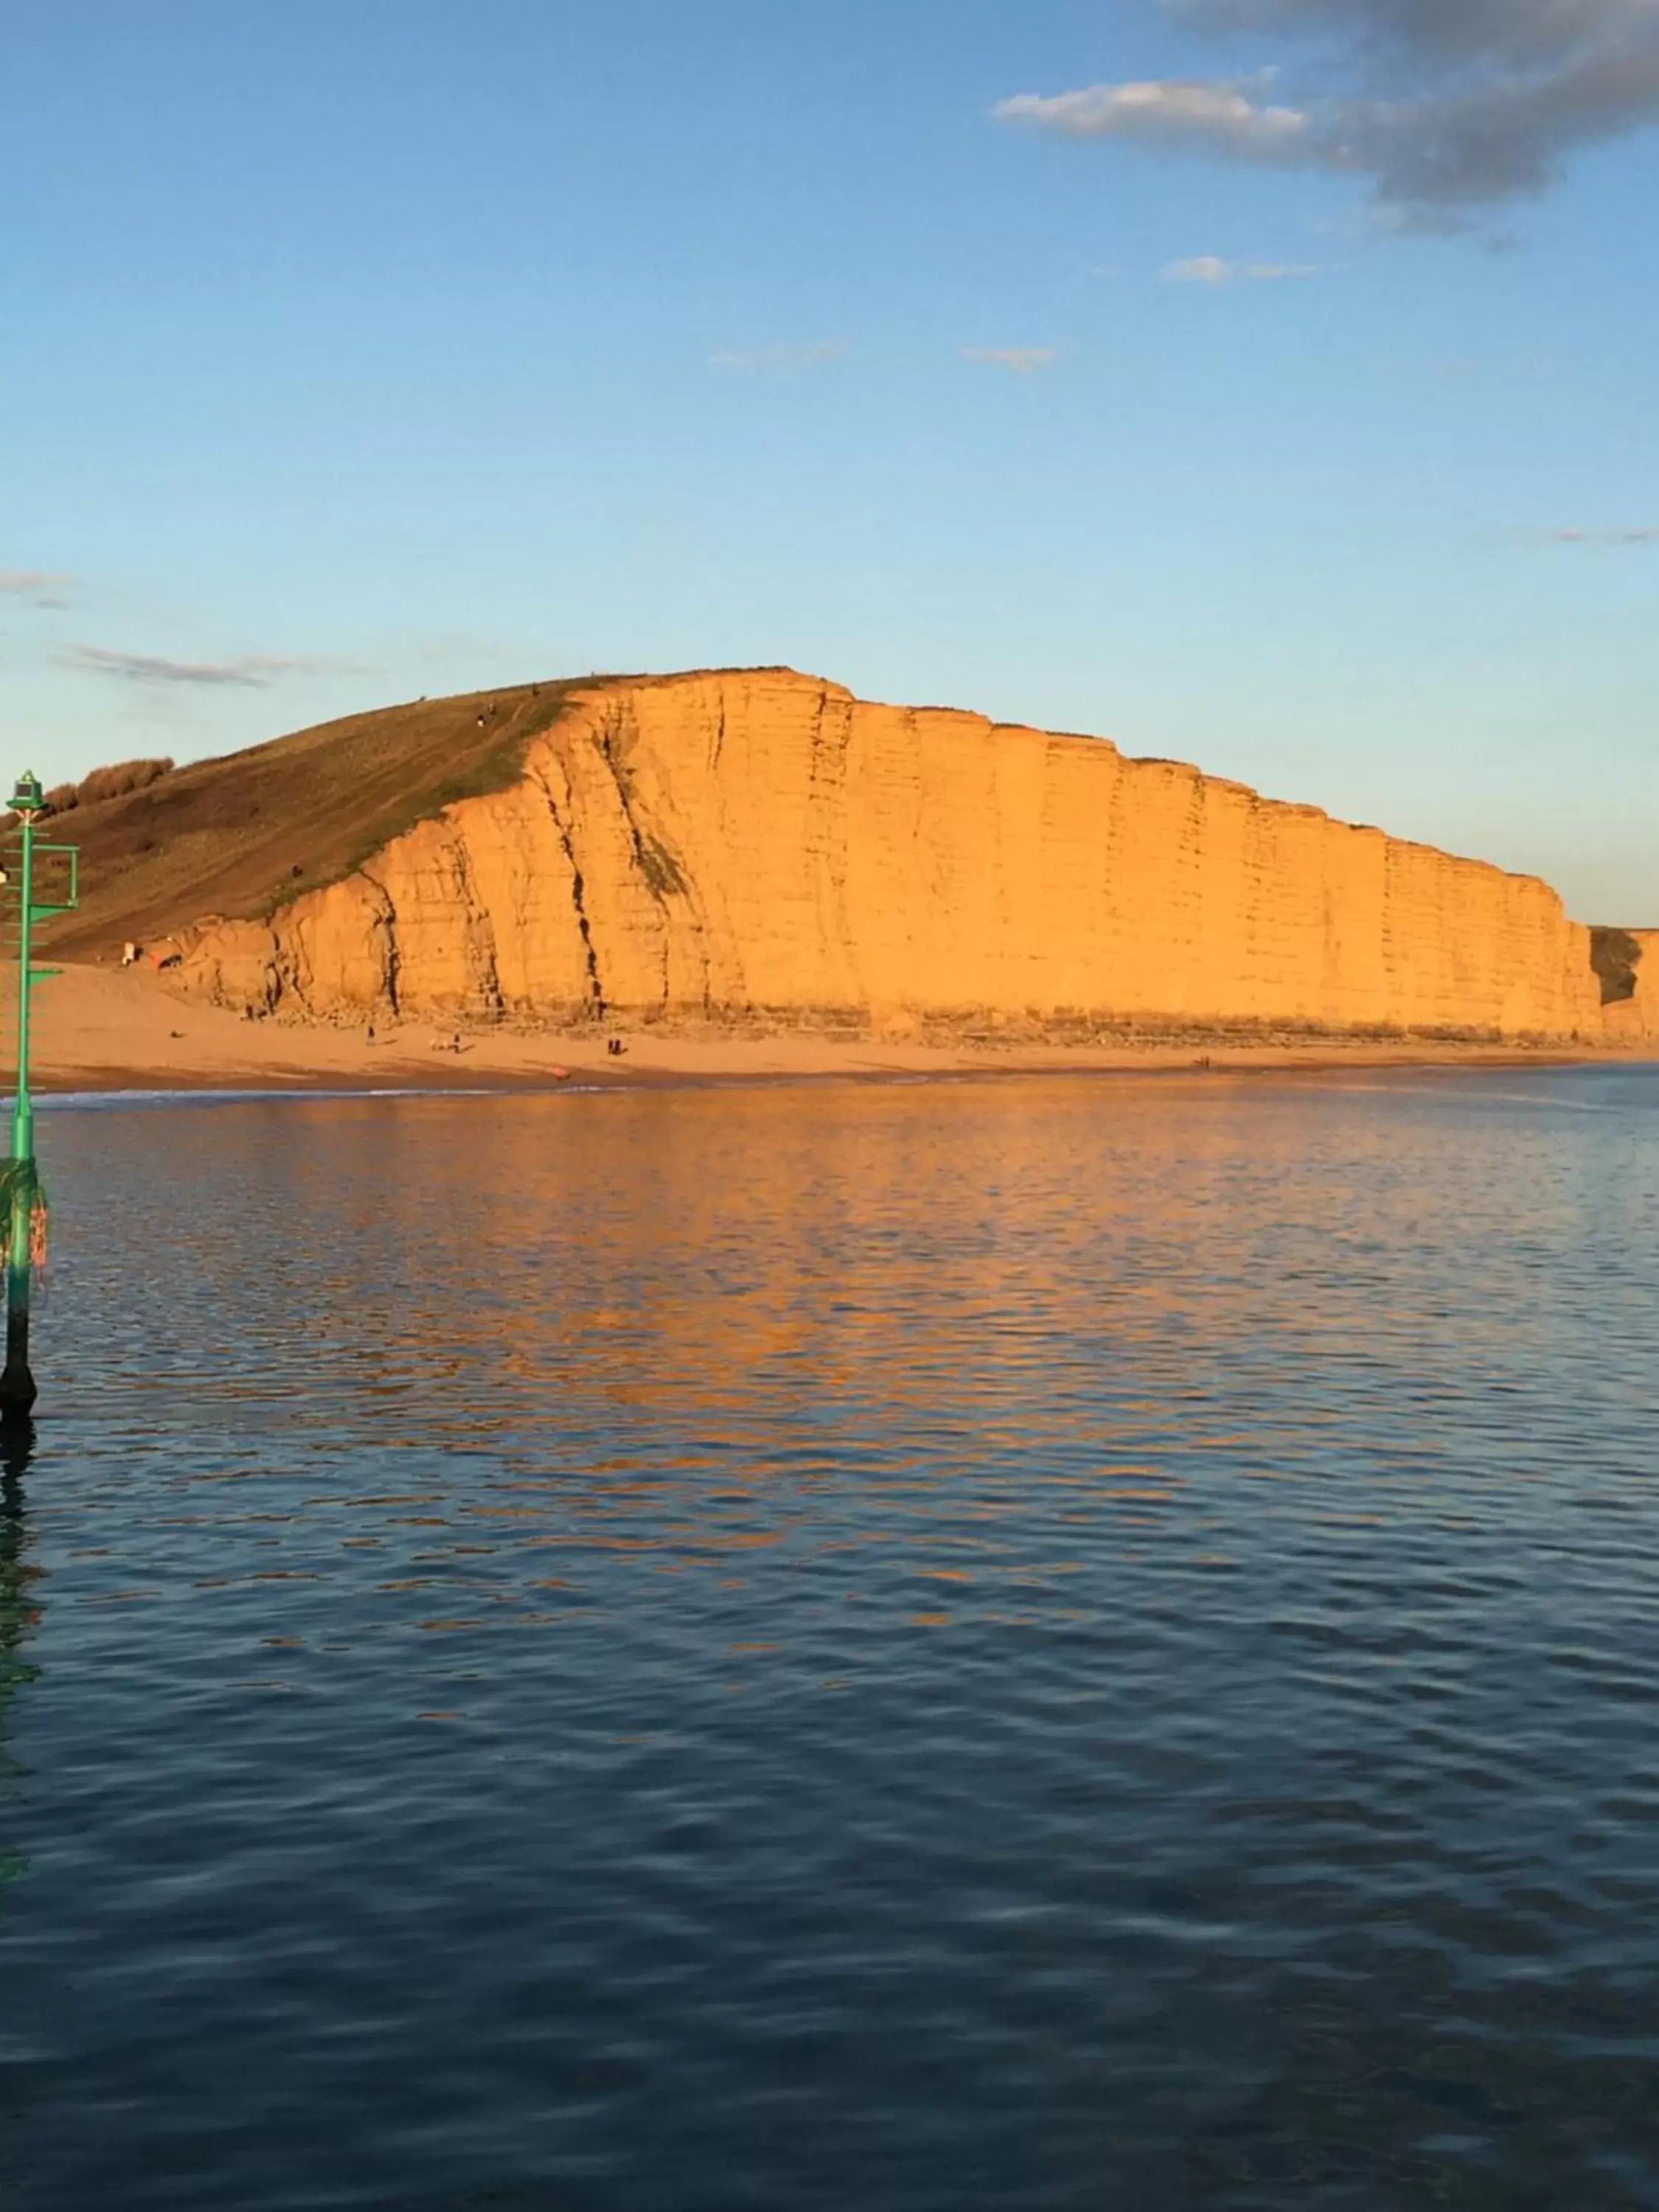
x=1088, y=1645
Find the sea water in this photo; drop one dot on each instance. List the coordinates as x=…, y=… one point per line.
x=1089, y=1643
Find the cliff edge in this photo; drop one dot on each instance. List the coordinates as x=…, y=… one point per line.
x=762, y=845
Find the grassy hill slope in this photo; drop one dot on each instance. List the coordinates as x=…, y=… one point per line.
x=241, y=835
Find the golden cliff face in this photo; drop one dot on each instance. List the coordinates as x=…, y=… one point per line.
x=729, y=846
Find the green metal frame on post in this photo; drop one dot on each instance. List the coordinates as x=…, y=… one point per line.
x=23, y=1206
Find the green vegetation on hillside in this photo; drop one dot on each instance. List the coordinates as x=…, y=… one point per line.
x=113, y=782
x=242, y=834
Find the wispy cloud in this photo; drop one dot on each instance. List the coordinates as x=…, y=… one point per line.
x=1018, y=361
x=253, y=672
x=811, y=355
x=1211, y=269
x=41, y=587
x=1449, y=108
x=1214, y=117
x=1648, y=534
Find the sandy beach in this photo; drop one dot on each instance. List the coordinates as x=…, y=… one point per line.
x=105, y=1028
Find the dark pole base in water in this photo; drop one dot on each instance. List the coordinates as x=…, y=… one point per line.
x=17, y=1390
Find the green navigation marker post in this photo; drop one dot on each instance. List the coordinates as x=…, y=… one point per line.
x=22, y=1195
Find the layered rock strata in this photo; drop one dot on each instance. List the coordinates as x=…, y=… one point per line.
x=729, y=847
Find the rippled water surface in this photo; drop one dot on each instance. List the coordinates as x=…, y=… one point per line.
x=1089, y=1644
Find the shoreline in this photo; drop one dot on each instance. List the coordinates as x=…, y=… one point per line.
x=105, y=1032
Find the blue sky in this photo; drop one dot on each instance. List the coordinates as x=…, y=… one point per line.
x=358, y=351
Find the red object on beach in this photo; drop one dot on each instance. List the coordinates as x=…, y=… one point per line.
x=560, y=1074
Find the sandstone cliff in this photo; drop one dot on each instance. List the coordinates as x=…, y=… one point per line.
x=764, y=844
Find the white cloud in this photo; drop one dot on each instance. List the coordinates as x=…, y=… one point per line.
x=253, y=672
x=811, y=355
x=1202, y=269
x=41, y=587
x=1211, y=269
x=1019, y=360
x=1449, y=108
x=1215, y=116
x=1645, y=535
